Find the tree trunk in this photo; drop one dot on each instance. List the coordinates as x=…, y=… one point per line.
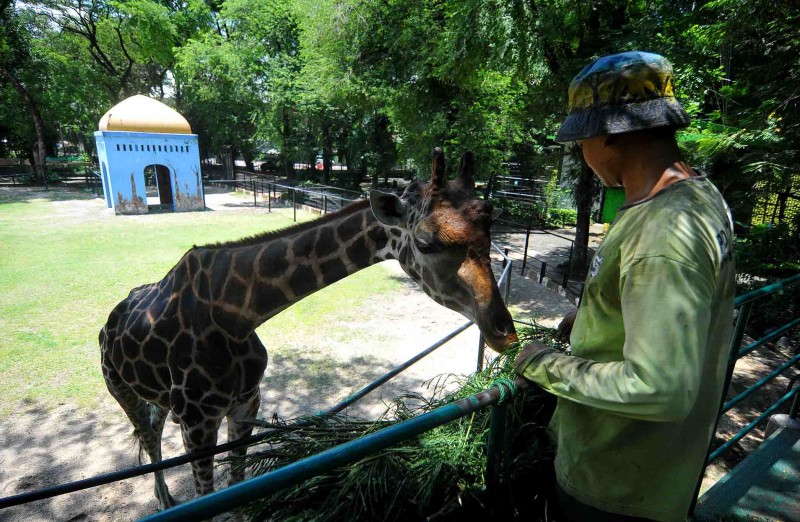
x=40, y=151
x=583, y=199
x=285, y=155
x=248, y=161
x=327, y=152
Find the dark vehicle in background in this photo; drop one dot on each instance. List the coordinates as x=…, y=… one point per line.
x=270, y=163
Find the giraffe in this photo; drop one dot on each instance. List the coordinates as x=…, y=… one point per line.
x=187, y=343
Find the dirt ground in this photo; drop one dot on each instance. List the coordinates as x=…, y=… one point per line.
x=41, y=447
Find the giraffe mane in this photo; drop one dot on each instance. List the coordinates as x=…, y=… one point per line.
x=352, y=208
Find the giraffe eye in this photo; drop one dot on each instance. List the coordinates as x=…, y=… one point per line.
x=428, y=247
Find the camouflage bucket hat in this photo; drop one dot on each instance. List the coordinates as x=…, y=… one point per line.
x=622, y=93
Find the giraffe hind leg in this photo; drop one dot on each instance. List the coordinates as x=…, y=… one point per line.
x=148, y=424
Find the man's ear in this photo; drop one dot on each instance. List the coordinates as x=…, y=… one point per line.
x=496, y=213
x=389, y=209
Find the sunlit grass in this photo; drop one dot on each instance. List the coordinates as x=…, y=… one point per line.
x=65, y=262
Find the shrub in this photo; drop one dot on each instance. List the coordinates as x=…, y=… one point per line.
x=766, y=254
x=562, y=217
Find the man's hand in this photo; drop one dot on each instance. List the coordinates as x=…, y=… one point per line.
x=565, y=327
x=527, y=351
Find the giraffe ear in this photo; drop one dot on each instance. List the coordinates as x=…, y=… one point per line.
x=438, y=176
x=389, y=209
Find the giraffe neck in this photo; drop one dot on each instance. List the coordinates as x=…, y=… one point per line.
x=263, y=278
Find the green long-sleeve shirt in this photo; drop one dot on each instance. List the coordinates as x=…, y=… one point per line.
x=639, y=394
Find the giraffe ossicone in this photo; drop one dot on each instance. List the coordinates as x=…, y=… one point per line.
x=187, y=343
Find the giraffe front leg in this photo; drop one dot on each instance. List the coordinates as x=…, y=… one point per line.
x=245, y=410
x=201, y=433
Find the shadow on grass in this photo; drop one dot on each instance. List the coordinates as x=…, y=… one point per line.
x=55, y=193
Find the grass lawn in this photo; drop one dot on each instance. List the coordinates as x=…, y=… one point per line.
x=65, y=262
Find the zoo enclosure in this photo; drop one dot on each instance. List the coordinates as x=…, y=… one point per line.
x=279, y=192
x=484, y=398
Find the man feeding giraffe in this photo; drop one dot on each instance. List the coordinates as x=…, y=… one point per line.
x=639, y=396
x=187, y=343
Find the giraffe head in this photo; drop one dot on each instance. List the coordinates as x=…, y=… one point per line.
x=439, y=232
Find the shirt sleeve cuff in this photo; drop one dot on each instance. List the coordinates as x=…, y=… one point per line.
x=534, y=367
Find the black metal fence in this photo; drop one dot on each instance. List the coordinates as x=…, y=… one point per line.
x=543, y=254
x=276, y=192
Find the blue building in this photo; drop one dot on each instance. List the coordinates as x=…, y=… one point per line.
x=141, y=137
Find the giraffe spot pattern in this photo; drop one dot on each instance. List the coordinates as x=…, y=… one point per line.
x=303, y=281
x=267, y=297
x=326, y=243
x=235, y=292
x=277, y=263
x=333, y=271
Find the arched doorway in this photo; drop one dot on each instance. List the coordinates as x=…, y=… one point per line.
x=158, y=177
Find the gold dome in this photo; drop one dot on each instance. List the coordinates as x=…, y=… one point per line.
x=142, y=114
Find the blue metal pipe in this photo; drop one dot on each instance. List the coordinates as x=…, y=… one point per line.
x=747, y=429
x=258, y=487
x=393, y=372
x=742, y=396
x=761, y=292
x=767, y=338
x=496, y=444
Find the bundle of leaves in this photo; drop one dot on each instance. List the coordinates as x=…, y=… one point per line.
x=439, y=475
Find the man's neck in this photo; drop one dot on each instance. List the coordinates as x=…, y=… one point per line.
x=651, y=168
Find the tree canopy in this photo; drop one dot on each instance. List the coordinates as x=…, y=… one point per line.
x=378, y=84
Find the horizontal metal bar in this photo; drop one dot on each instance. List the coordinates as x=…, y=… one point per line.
x=115, y=476
x=746, y=393
x=395, y=371
x=257, y=487
x=747, y=429
x=761, y=292
x=767, y=338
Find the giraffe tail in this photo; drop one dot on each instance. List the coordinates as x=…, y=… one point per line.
x=141, y=450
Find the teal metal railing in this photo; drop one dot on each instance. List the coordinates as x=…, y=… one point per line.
x=744, y=304
x=245, y=492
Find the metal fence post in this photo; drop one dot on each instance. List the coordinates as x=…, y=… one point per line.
x=542, y=272
x=324, y=204
x=736, y=342
x=508, y=279
x=481, y=348
x=269, y=197
x=294, y=203
x=253, y=184
x=496, y=445
x=569, y=265
x=525, y=250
